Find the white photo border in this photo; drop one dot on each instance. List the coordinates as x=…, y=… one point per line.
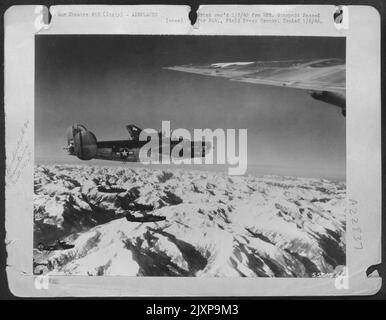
x=363, y=143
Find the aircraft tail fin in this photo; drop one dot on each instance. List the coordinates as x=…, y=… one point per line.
x=81, y=142
x=133, y=131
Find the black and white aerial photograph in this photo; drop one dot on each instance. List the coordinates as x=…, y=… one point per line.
x=190, y=156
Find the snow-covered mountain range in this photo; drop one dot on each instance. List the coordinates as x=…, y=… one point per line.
x=214, y=224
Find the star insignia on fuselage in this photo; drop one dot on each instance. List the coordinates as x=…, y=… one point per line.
x=124, y=153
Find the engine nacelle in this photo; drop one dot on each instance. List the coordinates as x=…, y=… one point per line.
x=81, y=142
x=334, y=98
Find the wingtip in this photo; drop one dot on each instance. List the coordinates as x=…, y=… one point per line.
x=172, y=68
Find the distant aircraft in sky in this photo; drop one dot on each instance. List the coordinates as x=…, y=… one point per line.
x=324, y=79
x=83, y=144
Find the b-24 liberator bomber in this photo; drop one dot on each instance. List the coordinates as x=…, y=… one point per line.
x=84, y=144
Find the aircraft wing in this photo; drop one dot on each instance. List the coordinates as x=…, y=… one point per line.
x=315, y=75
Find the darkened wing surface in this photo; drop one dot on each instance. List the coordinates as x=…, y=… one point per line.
x=318, y=75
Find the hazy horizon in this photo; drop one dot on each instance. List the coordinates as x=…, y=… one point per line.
x=253, y=170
